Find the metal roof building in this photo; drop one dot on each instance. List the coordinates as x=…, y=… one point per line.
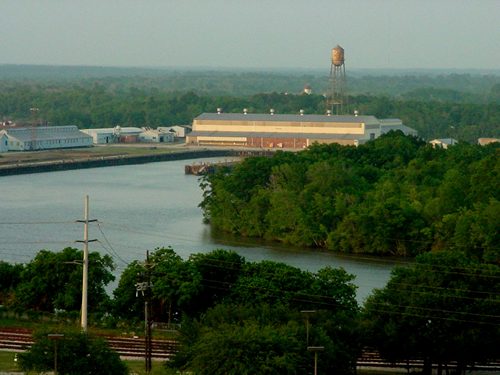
x=112, y=135
x=285, y=130
x=46, y=137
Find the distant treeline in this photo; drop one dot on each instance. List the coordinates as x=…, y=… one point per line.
x=435, y=113
x=469, y=84
x=393, y=196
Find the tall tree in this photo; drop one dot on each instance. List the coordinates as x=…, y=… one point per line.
x=442, y=309
x=53, y=280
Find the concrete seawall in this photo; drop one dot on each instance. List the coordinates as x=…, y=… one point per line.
x=108, y=161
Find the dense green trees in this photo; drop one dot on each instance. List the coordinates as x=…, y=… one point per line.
x=393, y=196
x=53, y=280
x=77, y=354
x=10, y=276
x=245, y=316
x=442, y=309
x=266, y=339
x=249, y=317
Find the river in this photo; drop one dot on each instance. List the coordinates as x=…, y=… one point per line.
x=139, y=208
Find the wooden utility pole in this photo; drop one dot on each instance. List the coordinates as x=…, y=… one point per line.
x=145, y=288
x=147, y=316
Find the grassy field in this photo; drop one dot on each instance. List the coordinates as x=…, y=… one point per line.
x=157, y=368
x=7, y=363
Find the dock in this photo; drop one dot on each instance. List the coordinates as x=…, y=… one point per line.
x=199, y=169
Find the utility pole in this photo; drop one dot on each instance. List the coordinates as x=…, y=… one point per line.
x=315, y=350
x=85, y=276
x=145, y=289
x=34, y=113
x=307, y=314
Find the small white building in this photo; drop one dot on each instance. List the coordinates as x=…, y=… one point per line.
x=388, y=124
x=46, y=137
x=4, y=141
x=102, y=136
x=177, y=130
x=443, y=142
x=156, y=136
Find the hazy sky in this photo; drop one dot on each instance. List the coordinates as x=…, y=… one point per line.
x=451, y=34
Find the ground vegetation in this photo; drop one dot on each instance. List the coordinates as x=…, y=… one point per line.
x=77, y=354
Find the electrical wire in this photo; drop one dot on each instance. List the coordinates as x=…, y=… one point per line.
x=35, y=222
x=110, y=246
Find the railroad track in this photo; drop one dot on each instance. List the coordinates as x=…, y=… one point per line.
x=371, y=359
x=21, y=339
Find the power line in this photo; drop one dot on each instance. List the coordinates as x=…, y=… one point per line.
x=109, y=244
x=35, y=222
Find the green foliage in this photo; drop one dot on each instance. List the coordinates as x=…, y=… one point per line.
x=218, y=271
x=175, y=283
x=54, y=281
x=265, y=339
x=77, y=354
x=249, y=349
x=444, y=308
x=269, y=282
x=392, y=196
x=249, y=312
x=10, y=276
x=126, y=303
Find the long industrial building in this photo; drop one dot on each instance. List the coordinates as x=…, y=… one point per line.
x=43, y=138
x=287, y=131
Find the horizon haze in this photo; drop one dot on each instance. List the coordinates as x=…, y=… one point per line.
x=293, y=34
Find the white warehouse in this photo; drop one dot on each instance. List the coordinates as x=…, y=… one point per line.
x=44, y=138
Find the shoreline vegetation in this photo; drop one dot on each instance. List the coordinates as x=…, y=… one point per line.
x=396, y=195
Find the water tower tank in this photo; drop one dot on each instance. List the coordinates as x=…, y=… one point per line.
x=338, y=56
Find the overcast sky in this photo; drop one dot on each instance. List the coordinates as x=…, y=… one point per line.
x=454, y=34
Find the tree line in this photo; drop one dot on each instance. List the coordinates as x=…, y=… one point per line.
x=396, y=195
x=465, y=86
x=433, y=112
x=247, y=317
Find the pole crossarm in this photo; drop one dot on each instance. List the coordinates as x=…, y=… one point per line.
x=85, y=263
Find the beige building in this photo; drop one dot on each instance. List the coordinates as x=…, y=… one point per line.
x=443, y=142
x=284, y=131
x=487, y=141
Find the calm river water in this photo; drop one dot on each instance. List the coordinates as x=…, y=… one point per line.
x=139, y=208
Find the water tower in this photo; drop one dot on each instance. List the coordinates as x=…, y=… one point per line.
x=336, y=99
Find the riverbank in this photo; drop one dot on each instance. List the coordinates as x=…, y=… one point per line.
x=103, y=156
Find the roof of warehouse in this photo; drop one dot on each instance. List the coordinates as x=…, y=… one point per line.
x=288, y=118
x=46, y=133
x=274, y=135
x=385, y=128
x=121, y=130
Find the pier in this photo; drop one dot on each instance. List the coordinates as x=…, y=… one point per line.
x=199, y=169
